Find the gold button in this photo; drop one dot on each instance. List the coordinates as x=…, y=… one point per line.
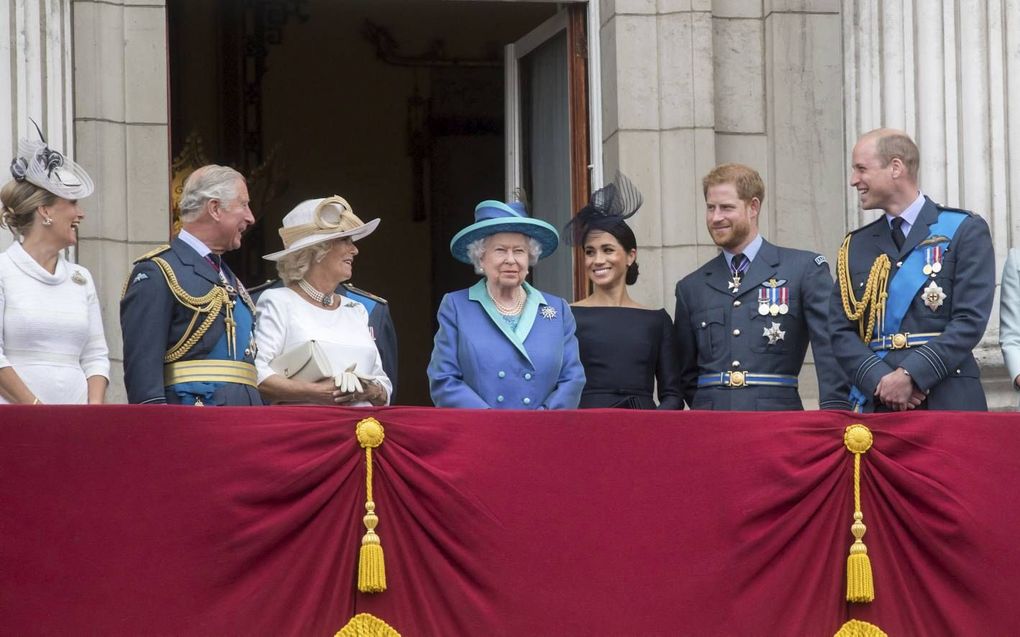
x=736, y=332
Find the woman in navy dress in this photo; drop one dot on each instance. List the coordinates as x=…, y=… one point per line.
x=628, y=351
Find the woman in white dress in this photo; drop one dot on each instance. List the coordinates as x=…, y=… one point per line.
x=52, y=347
x=318, y=237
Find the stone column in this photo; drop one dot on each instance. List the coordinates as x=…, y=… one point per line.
x=120, y=124
x=946, y=75
x=35, y=78
x=658, y=128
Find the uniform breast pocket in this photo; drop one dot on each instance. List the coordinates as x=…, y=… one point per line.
x=710, y=328
x=773, y=334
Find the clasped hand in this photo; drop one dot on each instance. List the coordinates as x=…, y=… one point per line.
x=897, y=391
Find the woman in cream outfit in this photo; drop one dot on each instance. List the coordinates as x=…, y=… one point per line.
x=52, y=347
x=319, y=236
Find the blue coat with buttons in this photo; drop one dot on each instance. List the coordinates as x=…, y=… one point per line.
x=480, y=362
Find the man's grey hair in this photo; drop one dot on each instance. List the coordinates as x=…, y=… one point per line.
x=476, y=250
x=205, y=184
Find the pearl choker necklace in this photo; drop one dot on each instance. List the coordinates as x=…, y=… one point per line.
x=326, y=300
x=514, y=309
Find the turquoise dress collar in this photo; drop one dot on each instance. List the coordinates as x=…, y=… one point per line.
x=532, y=303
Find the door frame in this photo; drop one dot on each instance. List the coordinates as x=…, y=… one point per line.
x=581, y=22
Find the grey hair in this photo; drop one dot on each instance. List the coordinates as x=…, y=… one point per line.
x=294, y=266
x=205, y=184
x=476, y=250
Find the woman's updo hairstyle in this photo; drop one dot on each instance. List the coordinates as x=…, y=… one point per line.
x=607, y=211
x=19, y=201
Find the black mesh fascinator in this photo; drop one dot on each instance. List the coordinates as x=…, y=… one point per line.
x=608, y=207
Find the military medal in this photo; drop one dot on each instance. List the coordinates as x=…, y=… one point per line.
x=933, y=296
x=763, y=301
x=932, y=260
x=737, y=271
x=774, y=333
x=784, y=298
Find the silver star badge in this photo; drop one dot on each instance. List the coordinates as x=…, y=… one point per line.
x=774, y=333
x=548, y=312
x=933, y=296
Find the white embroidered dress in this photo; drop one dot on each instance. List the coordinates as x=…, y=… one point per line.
x=52, y=329
x=284, y=320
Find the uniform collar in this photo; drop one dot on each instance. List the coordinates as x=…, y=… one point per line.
x=909, y=214
x=751, y=251
x=194, y=242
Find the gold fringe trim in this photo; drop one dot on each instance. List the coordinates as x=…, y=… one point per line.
x=371, y=565
x=857, y=628
x=860, y=585
x=366, y=625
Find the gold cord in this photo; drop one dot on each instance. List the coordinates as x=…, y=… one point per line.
x=870, y=310
x=208, y=304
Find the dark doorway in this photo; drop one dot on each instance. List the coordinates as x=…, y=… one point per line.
x=396, y=105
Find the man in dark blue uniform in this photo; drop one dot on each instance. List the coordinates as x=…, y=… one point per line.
x=380, y=324
x=914, y=347
x=744, y=319
x=187, y=320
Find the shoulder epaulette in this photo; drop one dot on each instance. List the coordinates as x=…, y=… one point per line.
x=152, y=253
x=255, y=289
x=942, y=208
x=357, y=290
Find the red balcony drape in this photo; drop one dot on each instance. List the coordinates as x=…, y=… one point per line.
x=123, y=520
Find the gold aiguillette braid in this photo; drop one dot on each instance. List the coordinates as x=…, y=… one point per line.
x=871, y=308
x=208, y=304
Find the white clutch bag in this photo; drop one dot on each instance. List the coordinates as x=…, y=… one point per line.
x=307, y=362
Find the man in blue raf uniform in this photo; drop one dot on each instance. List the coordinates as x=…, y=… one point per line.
x=187, y=320
x=912, y=348
x=743, y=320
x=380, y=324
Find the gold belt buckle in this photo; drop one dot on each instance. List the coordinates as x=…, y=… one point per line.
x=737, y=380
x=899, y=341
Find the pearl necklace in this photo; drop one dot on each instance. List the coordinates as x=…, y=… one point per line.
x=514, y=309
x=326, y=300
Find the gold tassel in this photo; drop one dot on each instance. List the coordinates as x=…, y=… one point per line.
x=857, y=628
x=860, y=586
x=366, y=625
x=371, y=566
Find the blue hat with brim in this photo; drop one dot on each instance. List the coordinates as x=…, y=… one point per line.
x=493, y=217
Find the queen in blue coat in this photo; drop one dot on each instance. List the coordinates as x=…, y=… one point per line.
x=501, y=343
